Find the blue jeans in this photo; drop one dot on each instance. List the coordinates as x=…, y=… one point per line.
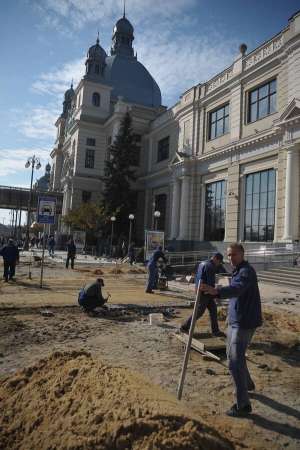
x=238, y=340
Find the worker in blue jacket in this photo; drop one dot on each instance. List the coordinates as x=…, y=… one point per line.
x=10, y=254
x=244, y=316
x=152, y=269
x=206, y=273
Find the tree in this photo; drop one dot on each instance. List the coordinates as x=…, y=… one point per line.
x=88, y=217
x=119, y=198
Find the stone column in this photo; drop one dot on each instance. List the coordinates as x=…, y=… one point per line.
x=175, y=209
x=291, y=201
x=184, y=208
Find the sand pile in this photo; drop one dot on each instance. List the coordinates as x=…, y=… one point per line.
x=72, y=401
x=98, y=272
x=116, y=270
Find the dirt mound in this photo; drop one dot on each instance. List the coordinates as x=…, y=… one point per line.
x=72, y=401
x=136, y=270
x=116, y=270
x=98, y=272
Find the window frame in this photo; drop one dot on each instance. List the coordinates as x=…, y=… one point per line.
x=161, y=156
x=90, y=142
x=215, y=122
x=95, y=102
x=270, y=94
x=265, y=209
x=89, y=156
x=88, y=197
x=219, y=191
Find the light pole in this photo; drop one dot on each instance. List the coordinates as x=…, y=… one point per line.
x=131, y=219
x=156, y=217
x=112, y=219
x=32, y=162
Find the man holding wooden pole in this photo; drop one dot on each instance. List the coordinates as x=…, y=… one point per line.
x=244, y=316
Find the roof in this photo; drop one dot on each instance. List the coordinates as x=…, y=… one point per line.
x=131, y=80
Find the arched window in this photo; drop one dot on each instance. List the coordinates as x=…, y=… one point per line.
x=97, y=68
x=96, y=99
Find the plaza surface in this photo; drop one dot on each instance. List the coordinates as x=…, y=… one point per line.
x=35, y=322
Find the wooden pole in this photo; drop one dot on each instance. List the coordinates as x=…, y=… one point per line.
x=188, y=345
x=43, y=256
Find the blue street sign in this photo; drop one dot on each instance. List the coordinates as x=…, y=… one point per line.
x=46, y=210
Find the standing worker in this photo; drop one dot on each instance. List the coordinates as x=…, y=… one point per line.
x=244, y=316
x=10, y=254
x=71, y=253
x=131, y=254
x=206, y=273
x=51, y=245
x=152, y=269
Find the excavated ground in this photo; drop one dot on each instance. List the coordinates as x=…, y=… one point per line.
x=36, y=322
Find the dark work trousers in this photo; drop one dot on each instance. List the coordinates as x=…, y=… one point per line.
x=206, y=301
x=70, y=257
x=152, y=277
x=90, y=303
x=9, y=270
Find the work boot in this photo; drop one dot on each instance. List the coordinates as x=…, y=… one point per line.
x=184, y=329
x=218, y=333
x=234, y=411
x=251, y=387
x=149, y=291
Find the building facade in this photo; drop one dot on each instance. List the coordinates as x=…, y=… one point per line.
x=221, y=165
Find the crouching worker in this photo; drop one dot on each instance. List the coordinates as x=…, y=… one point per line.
x=90, y=297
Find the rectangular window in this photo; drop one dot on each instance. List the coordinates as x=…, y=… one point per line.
x=262, y=101
x=219, y=122
x=260, y=206
x=137, y=139
x=215, y=196
x=86, y=196
x=91, y=142
x=89, y=158
x=163, y=149
x=161, y=206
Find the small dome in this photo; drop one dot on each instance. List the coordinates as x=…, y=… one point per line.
x=69, y=94
x=123, y=26
x=48, y=167
x=96, y=51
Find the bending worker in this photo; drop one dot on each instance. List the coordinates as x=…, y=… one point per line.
x=90, y=297
x=152, y=269
x=244, y=316
x=206, y=273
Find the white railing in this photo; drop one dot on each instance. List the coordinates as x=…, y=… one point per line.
x=261, y=256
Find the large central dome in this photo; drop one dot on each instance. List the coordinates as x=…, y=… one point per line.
x=128, y=77
x=131, y=80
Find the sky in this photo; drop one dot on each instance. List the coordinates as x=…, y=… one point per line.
x=43, y=44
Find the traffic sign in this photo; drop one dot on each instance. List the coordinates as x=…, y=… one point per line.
x=46, y=210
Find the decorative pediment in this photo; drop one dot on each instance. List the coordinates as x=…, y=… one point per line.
x=176, y=159
x=291, y=111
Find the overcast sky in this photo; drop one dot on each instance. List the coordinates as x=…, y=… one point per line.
x=44, y=42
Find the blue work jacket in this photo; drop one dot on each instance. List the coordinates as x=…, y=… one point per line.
x=206, y=273
x=10, y=253
x=244, y=298
x=155, y=257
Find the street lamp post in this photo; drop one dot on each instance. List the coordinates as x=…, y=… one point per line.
x=32, y=162
x=131, y=219
x=156, y=217
x=112, y=219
